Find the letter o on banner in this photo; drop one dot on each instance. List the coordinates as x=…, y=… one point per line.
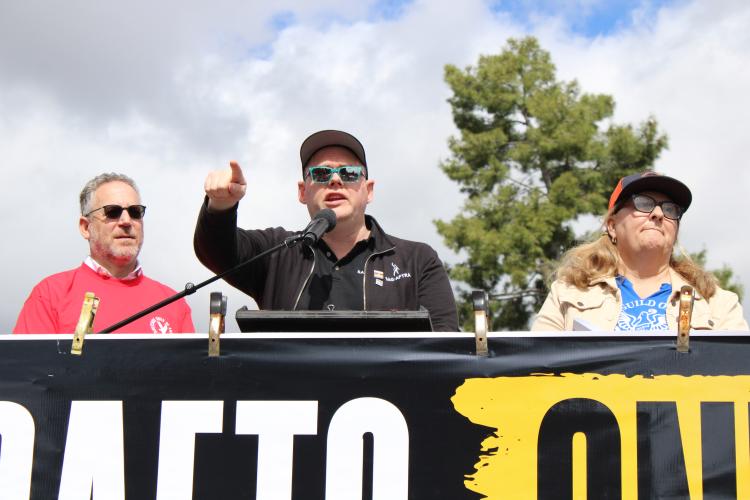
x=555, y=450
x=390, y=461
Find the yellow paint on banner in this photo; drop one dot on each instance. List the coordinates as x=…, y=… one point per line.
x=579, y=466
x=515, y=407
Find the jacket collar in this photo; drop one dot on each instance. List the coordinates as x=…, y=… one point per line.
x=678, y=282
x=383, y=242
x=608, y=281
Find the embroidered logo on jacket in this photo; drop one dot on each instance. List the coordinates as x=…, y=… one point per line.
x=397, y=274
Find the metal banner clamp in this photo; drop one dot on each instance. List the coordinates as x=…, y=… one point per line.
x=687, y=297
x=85, y=322
x=480, y=301
x=217, y=310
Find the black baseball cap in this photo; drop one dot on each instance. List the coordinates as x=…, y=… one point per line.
x=651, y=181
x=325, y=138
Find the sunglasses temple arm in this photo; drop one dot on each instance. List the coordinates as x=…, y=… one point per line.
x=191, y=288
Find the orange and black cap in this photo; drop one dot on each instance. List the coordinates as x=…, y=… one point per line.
x=651, y=181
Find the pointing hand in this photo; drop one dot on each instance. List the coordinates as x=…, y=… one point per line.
x=225, y=187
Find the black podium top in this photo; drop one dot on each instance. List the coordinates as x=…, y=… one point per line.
x=333, y=321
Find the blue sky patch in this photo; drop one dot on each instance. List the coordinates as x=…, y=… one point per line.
x=282, y=20
x=388, y=9
x=590, y=18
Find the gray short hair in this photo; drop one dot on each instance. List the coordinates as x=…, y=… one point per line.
x=91, y=186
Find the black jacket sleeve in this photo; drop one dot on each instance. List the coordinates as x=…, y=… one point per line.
x=435, y=294
x=219, y=244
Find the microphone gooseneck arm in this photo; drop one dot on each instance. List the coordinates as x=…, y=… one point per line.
x=321, y=223
x=191, y=288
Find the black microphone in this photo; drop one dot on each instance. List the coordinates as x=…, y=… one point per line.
x=321, y=223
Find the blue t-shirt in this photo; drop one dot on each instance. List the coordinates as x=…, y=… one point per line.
x=642, y=314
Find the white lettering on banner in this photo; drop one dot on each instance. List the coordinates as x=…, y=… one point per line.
x=390, y=474
x=276, y=423
x=94, y=462
x=180, y=422
x=17, y=451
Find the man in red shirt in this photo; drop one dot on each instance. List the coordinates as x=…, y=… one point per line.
x=112, y=222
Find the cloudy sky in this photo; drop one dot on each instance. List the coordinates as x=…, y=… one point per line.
x=166, y=91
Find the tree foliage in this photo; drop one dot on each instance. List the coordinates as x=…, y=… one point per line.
x=534, y=154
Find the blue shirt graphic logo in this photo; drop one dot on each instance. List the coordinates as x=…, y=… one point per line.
x=642, y=314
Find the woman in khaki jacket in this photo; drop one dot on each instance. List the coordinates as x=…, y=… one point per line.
x=628, y=279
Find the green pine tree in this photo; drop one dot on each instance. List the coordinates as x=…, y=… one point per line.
x=534, y=154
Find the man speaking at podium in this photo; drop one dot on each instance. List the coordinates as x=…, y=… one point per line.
x=112, y=222
x=355, y=266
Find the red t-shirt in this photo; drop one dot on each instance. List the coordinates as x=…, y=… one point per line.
x=54, y=305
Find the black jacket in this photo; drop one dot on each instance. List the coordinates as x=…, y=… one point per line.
x=412, y=274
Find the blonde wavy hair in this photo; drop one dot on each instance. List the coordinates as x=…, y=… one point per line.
x=589, y=262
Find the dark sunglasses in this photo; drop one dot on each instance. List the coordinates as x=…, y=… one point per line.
x=115, y=211
x=347, y=173
x=646, y=204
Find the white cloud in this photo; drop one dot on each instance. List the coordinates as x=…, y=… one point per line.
x=166, y=92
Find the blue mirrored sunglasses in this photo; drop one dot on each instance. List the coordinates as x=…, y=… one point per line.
x=347, y=173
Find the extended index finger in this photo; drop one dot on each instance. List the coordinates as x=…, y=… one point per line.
x=237, y=175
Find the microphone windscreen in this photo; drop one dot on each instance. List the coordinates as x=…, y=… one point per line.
x=329, y=216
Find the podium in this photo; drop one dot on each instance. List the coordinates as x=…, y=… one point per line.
x=333, y=321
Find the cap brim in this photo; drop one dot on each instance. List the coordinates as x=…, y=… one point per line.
x=676, y=190
x=325, y=138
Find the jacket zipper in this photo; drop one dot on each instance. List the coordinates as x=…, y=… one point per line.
x=364, y=276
